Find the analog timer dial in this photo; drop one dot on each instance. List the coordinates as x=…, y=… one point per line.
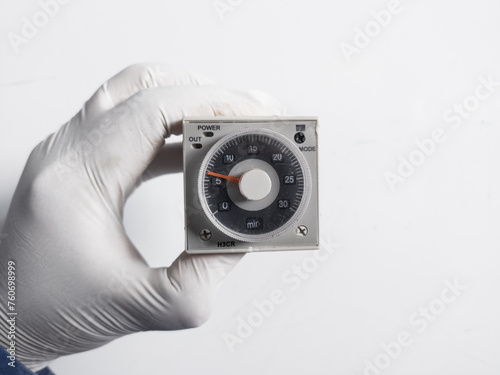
x=254, y=184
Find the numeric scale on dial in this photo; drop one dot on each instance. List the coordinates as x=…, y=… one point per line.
x=250, y=184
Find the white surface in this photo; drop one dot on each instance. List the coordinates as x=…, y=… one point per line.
x=395, y=249
x=255, y=184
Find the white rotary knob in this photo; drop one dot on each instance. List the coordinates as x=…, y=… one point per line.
x=255, y=184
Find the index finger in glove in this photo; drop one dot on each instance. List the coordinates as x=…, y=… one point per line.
x=135, y=130
x=136, y=78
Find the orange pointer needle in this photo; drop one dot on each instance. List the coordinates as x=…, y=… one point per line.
x=236, y=180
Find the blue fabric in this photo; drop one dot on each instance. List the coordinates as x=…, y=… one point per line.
x=18, y=368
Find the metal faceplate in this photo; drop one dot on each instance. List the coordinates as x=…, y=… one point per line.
x=203, y=136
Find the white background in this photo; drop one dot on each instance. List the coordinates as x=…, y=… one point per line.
x=394, y=248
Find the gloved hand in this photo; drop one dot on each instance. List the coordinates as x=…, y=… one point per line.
x=80, y=282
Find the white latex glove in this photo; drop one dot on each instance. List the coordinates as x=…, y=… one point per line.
x=80, y=282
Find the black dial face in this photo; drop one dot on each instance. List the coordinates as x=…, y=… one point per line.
x=252, y=183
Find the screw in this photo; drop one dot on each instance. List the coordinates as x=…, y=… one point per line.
x=301, y=231
x=205, y=234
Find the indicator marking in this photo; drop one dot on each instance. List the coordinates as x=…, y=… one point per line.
x=236, y=180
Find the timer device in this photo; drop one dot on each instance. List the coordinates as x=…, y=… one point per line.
x=250, y=184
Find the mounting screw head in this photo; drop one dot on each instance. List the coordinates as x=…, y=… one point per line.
x=205, y=234
x=301, y=231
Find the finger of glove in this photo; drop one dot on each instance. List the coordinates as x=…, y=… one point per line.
x=134, y=79
x=188, y=287
x=131, y=135
x=168, y=160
